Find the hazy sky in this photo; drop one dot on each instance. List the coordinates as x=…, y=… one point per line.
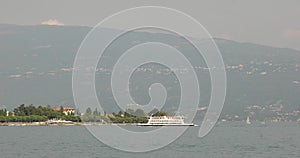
x=269, y=22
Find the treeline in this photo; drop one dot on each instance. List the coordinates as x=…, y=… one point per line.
x=121, y=117
x=47, y=111
x=128, y=116
x=35, y=114
x=32, y=113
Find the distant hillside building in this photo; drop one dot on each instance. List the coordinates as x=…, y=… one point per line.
x=66, y=111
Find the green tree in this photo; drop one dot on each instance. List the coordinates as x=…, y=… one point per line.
x=161, y=113
x=152, y=112
x=96, y=113
x=129, y=113
x=139, y=113
x=61, y=110
x=20, y=111
x=2, y=112
x=10, y=113
x=121, y=113
x=88, y=111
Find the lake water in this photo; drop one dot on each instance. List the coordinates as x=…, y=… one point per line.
x=226, y=140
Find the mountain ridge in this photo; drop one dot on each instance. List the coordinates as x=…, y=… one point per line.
x=36, y=67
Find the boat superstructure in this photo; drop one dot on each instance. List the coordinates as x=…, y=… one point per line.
x=166, y=121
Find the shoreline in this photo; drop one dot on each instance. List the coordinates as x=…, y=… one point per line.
x=20, y=124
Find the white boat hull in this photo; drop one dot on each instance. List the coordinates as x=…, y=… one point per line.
x=166, y=121
x=167, y=124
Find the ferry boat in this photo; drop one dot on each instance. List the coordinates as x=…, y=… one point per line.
x=166, y=121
